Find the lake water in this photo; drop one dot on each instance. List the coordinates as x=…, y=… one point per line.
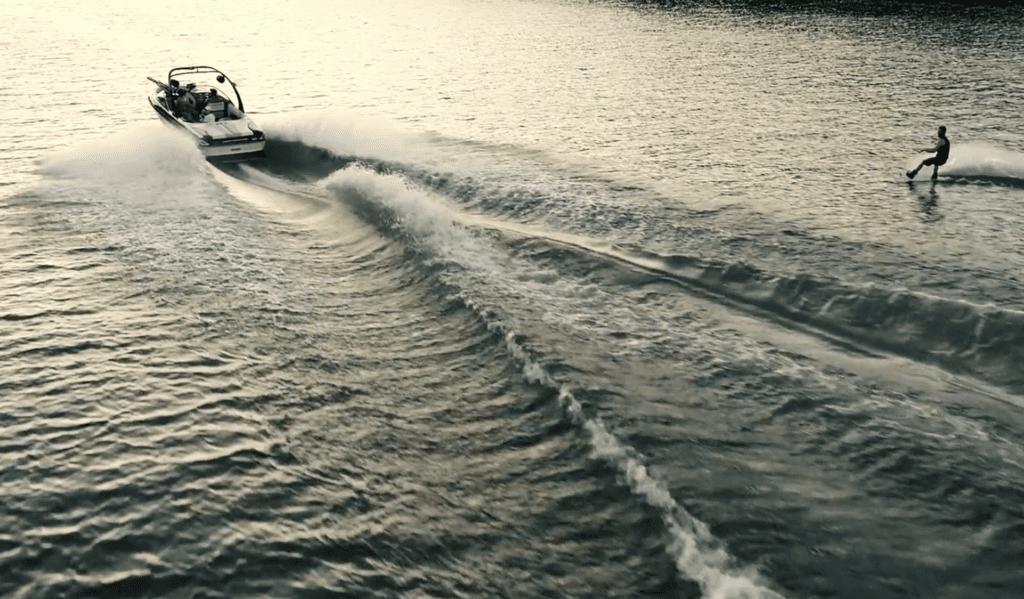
x=533, y=298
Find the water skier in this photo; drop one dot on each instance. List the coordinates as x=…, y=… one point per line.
x=941, y=150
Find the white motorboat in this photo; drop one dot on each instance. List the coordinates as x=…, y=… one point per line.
x=194, y=99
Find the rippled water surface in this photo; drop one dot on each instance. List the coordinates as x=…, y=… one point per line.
x=535, y=298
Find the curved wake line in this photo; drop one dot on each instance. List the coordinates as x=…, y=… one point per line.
x=982, y=341
x=432, y=230
x=697, y=554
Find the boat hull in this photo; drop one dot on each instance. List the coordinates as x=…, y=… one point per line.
x=236, y=139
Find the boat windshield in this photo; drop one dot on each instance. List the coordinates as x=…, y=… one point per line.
x=201, y=81
x=207, y=94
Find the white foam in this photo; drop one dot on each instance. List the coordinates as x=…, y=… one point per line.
x=984, y=160
x=369, y=137
x=423, y=217
x=392, y=202
x=142, y=150
x=347, y=134
x=698, y=555
x=978, y=159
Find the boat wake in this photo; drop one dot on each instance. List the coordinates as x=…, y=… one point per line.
x=442, y=241
x=451, y=246
x=980, y=163
x=960, y=336
x=464, y=252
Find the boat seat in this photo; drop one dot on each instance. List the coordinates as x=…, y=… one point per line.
x=217, y=109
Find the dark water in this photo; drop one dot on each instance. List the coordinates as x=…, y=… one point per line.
x=529, y=299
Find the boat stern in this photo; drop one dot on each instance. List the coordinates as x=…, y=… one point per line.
x=229, y=138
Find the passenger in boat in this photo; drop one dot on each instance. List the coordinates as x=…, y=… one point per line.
x=213, y=108
x=171, y=94
x=185, y=105
x=941, y=150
